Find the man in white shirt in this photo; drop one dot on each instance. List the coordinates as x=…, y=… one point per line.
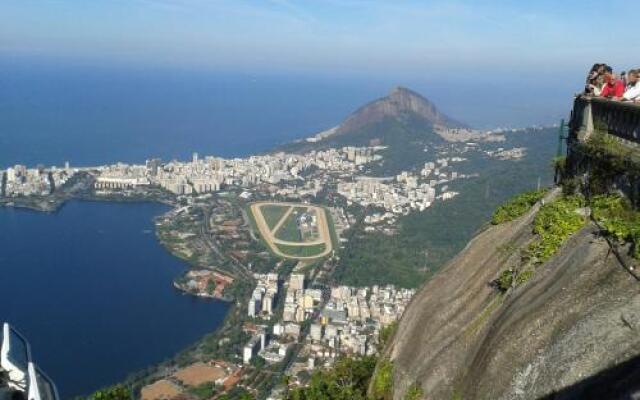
x=632, y=92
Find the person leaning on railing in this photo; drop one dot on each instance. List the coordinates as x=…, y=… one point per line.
x=632, y=91
x=595, y=79
x=613, y=87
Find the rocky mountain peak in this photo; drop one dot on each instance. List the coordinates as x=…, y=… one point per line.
x=399, y=103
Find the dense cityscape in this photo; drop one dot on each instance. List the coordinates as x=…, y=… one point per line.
x=287, y=175
x=297, y=319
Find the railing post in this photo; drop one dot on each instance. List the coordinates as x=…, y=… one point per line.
x=587, y=122
x=560, y=138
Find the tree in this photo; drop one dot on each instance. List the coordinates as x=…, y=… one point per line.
x=237, y=394
x=211, y=286
x=113, y=393
x=258, y=362
x=415, y=392
x=383, y=380
x=347, y=380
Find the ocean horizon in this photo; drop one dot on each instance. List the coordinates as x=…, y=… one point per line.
x=52, y=113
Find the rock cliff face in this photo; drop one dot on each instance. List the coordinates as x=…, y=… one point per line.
x=399, y=103
x=570, y=332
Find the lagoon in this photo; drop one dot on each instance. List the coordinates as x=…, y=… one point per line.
x=91, y=288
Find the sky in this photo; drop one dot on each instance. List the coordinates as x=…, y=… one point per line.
x=374, y=37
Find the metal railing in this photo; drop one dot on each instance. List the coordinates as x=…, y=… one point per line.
x=41, y=387
x=23, y=375
x=596, y=114
x=15, y=355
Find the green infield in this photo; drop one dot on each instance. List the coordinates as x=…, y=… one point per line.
x=273, y=213
x=289, y=230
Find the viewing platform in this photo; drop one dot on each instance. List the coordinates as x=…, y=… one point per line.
x=595, y=114
x=20, y=378
x=603, y=146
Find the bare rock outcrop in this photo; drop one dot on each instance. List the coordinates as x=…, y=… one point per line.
x=570, y=332
x=399, y=103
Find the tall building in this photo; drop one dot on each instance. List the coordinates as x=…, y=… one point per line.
x=316, y=332
x=153, y=166
x=253, y=346
x=267, y=304
x=296, y=282
x=254, y=307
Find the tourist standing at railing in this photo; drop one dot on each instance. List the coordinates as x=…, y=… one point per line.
x=613, y=87
x=595, y=79
x=632, y=92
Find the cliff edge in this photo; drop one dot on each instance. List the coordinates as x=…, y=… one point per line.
x=572, y=331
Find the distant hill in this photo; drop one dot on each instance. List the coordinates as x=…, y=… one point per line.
x=404, y=121
x=406, y=125
x=402, y=104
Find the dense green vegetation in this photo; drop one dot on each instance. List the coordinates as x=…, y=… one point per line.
x=608, y=160
x=118, y=392
x=382, y=385
x=554, y=224
x=619, y=220
x=237, y=393
x=347, y=380
x=415, y=392
x=523, y=277
x=505, y=281
x=204, y=391
x=424, y=241
x=387, y=332
x=517, y=206
x=378, y=258
x=272, y=214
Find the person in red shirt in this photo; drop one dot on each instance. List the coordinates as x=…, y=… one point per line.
x=613, y=87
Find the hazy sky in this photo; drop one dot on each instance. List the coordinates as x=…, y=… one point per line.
x=351, y=36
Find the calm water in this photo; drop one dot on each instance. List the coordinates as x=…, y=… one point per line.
x=91, y=288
